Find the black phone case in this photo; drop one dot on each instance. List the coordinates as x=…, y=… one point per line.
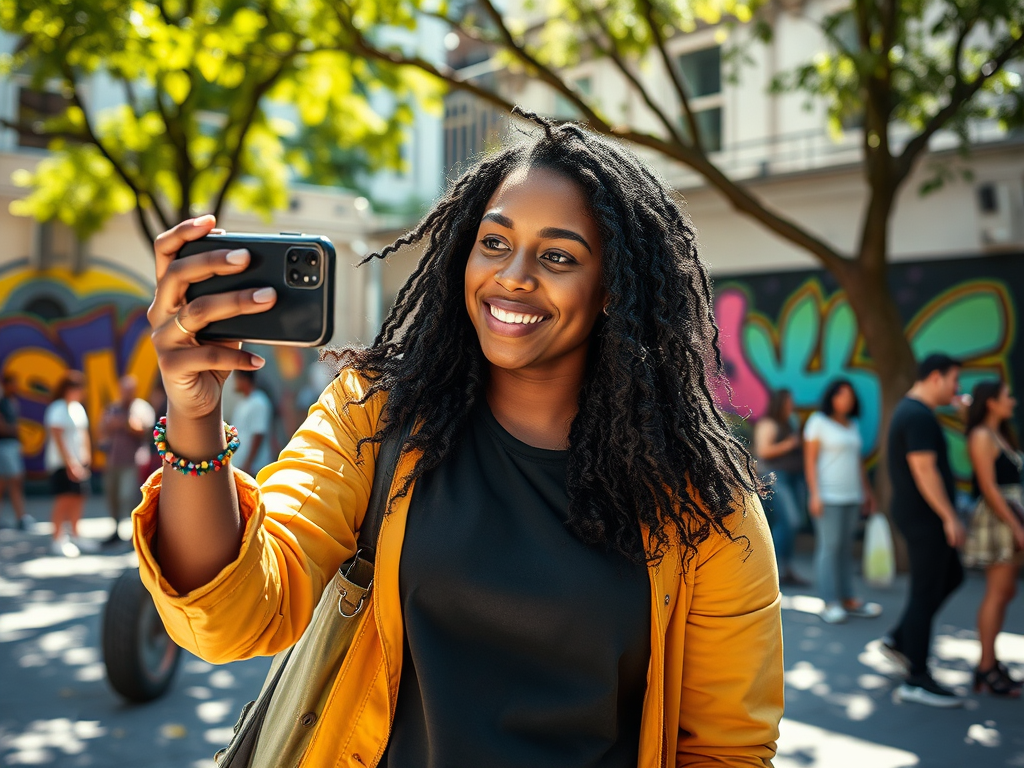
x=300, y=317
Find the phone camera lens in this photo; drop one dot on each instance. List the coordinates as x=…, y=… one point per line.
x=294, y=276
x=312, y=259
x=293, y=257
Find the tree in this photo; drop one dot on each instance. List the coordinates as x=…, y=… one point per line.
x=220, y=101
x=915, y=65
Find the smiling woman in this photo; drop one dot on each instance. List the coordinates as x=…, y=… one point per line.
x=574, y=568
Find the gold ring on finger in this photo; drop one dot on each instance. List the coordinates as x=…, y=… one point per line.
x=182, y=328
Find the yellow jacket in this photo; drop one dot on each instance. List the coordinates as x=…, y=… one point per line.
x=714, y=694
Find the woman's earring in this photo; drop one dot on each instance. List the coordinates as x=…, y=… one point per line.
x=605, y=310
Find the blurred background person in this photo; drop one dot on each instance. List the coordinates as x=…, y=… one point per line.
x=838, y=494
x=67, y=458
x=779, y=450
x=253, y=416
x=922, y=508
x=126, y=431
x=12, y=465
x=995, y=540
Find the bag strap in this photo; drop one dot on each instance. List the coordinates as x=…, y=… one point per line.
x=383, y=475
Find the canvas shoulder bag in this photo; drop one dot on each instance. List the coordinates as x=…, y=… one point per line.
x=274, y=730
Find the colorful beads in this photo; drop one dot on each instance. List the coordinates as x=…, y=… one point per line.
x=194, y=468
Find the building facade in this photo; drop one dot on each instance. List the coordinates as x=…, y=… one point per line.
x=958, y=253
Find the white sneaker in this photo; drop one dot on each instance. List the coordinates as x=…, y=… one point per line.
x=933, y=695
x=866, y=610
x=25, y=523
x=64, y=547
x=834, y=613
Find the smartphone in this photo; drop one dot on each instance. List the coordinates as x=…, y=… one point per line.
x=299, y=267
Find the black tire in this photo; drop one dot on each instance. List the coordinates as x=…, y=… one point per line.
x=139, y=655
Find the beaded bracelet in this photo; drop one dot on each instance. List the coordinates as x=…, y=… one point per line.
x=194, y=468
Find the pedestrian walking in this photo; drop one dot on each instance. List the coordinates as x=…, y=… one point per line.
x=780, y=454
x=839, y=494
x=126, y=431
x=995, y=538
x=68, y=457
x=922, y=507
x=12, y=465
x=254, y=417
x=575, y=568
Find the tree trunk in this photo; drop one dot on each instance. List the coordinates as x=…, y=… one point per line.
x=883, y=329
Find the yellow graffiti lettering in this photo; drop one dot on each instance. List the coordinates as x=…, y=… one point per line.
x=100, y=369
x=37, y=372
x=32, y=435
x=142, y=365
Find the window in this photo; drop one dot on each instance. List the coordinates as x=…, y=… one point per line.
x=470, y=127
x=34, y=107
x=702, y=76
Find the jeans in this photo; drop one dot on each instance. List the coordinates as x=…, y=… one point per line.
x=935, y=573
x=833, y=554
x=784, y=515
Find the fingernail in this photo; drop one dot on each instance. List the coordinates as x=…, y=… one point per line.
x=263, y=295
x=203, y=221
x=257, y=361
x=239, y=256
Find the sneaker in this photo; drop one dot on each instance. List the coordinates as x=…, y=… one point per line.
x=25, y=523
x=86, y=546
x=834, y=613
x=864, y=610
x=888, y=648
x=64, y=547
x=922, y=689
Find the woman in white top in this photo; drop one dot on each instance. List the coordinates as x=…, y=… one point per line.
x=838, y=492
x=68, y=458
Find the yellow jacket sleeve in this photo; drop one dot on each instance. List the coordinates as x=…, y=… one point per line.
x=732, y=690
x=302, y=514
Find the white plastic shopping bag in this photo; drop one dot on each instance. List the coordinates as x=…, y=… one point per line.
x=879, y=555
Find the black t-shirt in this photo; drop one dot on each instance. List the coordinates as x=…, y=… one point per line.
x=915, y=428
x=523, y=646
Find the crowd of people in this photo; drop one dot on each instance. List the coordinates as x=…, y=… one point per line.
x=820, y=468
x=125, y=436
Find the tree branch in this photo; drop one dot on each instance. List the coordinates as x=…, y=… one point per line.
x=137, y=189
x=28, y=128
x=179, y=141
x=235, y=156
x=546, y=73
x=677, y=84
x=961, y=93
x=740, y=198
x=612, y=53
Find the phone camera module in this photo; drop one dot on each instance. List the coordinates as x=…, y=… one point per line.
x=303, y=267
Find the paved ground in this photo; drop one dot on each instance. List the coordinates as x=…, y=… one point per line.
x=56, y=708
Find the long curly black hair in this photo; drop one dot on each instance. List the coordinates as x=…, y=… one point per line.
x=649, y=446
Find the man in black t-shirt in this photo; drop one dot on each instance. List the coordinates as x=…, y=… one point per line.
x=922, y=507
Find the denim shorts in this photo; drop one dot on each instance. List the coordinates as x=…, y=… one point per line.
x=11, y=463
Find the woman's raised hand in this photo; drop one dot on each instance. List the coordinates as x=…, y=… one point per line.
x=194, y=371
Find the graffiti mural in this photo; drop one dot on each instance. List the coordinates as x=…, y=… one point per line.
x=54, y=320
x=95, y=321
x=797, y=331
